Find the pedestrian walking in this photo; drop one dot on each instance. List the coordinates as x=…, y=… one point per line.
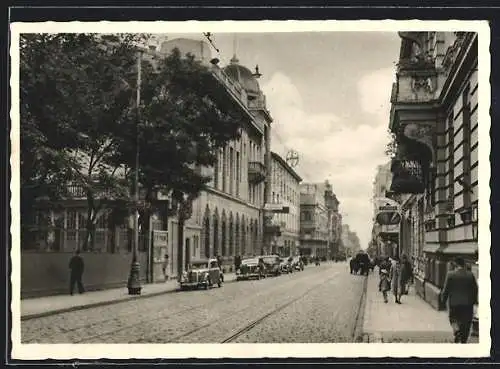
x=396, y=281
x=384, y=285
x=460, y=291
x=164, y=267
x=237, y=262
x=76, y=265
x=406, y=274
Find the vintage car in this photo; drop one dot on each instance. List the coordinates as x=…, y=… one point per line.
x=202, y=273
x=297, y=263
x=271, y=265
x=249, y=269
x=285, y=265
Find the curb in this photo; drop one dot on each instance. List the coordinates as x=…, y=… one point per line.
x=101, y=303
x=358, y=334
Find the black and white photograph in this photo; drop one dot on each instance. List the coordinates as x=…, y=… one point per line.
x=291, y=188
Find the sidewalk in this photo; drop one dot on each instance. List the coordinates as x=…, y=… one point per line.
x=413, y=321
x=51, y=305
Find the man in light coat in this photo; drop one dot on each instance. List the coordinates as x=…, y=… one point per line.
x=460, y=291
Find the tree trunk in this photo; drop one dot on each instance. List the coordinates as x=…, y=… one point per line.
x=89, y=234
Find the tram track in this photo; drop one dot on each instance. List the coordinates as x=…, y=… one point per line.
x=167, y=317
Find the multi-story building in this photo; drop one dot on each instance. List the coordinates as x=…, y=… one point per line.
x=285, y=192
x=227, y=218
x=314, y=221
x=350, y=240
x=385, y=237
x=334, y=220
x=434, y=117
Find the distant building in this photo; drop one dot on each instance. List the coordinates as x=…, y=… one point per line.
x=385, y=237
x=350, y=240
x=314, y=221
x=285, y=190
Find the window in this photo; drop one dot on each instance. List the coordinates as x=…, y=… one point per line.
x=224, y=169
x=216, y=172
x=466, y=147
x=451, y=163
x=238, y=174
x=231, y=171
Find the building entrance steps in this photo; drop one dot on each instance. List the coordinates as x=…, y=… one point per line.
x=51, y=305
x=414, y=320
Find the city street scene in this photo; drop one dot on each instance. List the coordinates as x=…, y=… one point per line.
x=288, y=187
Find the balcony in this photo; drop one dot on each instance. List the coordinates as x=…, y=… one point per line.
x=408, y=177
x=256, y=172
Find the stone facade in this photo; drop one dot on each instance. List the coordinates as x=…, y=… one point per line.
x=434, y=117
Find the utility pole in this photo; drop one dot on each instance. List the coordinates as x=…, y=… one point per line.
x=134, y=282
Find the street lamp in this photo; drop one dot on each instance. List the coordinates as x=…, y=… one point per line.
x=134, y=282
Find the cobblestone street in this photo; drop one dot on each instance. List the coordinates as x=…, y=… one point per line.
x=320, y=304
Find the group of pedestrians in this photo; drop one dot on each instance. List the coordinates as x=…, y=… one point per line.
x=460, y=291
x=395, y=276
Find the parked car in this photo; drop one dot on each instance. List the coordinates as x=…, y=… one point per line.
x=202, y=273
x=249, y=269
x=297, y=263
x=285, y=266
x=271, y=265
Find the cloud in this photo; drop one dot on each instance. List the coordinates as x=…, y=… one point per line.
x=343, y=149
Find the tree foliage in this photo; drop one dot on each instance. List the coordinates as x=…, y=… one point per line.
x=80, y=125
x=392, y=146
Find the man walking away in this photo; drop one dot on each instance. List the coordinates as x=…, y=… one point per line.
x=460, y=291
x=76, y=266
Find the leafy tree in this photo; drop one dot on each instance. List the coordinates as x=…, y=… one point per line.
x=79, y=124
x=72, y=106
x=185, y=119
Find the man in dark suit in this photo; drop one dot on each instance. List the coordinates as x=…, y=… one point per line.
x=460, y=290
x=76, y=265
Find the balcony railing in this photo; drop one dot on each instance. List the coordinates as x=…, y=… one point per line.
x=256, y=172
x=78, y=192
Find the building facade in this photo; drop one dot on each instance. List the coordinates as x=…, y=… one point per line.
x=434, y=120
x=314, y=221
x=385, y=237
x=227, y=218
x=350, y=241
x=285, y=191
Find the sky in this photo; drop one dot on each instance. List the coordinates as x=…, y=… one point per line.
x=329, y=96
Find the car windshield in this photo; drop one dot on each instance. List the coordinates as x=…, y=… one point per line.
x=199, y=266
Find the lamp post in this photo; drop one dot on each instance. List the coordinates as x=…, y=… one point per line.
x=134, y=283
x=184, y=210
